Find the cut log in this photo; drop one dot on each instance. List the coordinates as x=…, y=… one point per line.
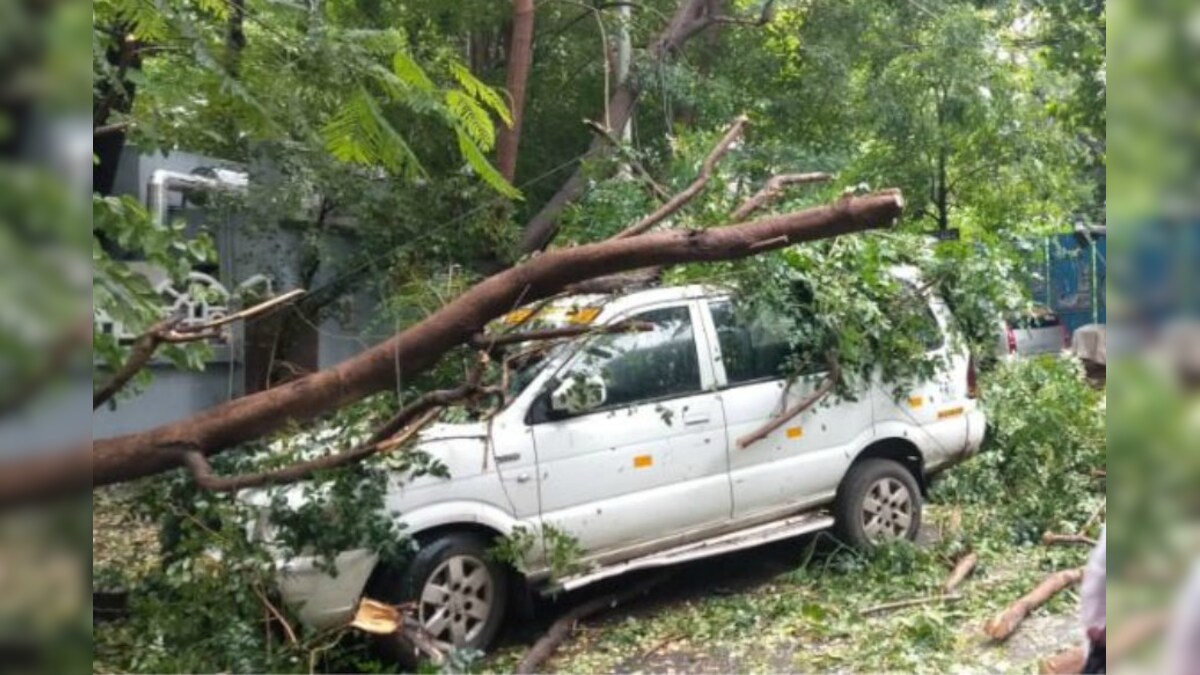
x=960, y=573
x=1055, y=539
x=1003, y=625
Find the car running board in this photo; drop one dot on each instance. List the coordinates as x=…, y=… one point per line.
x=726, y=543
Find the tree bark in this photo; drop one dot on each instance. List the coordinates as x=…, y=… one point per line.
x=690, y=19
x=416, y=349
x=1003, y=625
x=520, y=59
x=960, y=573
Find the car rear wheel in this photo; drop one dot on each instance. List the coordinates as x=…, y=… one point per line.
x=459, y=593
x=879, y=501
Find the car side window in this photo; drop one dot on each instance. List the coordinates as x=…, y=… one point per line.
x=926, y=329
x=752, y=348
x=656, y=363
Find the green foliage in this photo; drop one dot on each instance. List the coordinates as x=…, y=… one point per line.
x=358, y=133
x=561, y=551
x=1046, y=434
x=122, y=228
x=200, y=606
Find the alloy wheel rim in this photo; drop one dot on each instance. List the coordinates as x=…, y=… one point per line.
x=887, y=510
x=456, y=601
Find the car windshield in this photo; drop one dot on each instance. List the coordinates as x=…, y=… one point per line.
x=524, y=369
x=526, y=361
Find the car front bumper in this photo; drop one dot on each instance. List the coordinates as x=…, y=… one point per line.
x=325, y=599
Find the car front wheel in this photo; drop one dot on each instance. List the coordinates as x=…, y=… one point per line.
x=879, y=501
x=459, y=593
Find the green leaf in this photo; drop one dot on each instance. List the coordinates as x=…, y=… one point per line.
x=481, y=92
x=359, y=134
x=410, y=72
x=473, y=118
x=483, y=167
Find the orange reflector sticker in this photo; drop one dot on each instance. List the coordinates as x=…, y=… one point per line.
x=517, y=317
x=916, y=401
x=950, y=412
x=643, y=461
x=583, y=316
x=795, y=432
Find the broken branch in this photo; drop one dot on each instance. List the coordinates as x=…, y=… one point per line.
x=1054, y=538
x=960, y=573
x=783, y=418
x=1003, y=625
x=545, y=647
x=913, y=602
x=688, y=194
x=773, y=188
x=490, y=342
x=139, y=355
x=172, y=330
x=202, y=471
x=604, y=132
x=1133, y=634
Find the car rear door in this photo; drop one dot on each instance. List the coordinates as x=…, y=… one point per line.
x=802, y=461
x=651, y=461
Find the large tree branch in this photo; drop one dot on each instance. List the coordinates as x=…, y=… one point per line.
x=418, y=348
x=690, y=192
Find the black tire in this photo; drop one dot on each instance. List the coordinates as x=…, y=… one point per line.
x=432, y=564
x=865, y=481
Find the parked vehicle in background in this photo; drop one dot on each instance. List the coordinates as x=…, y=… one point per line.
x=1039, y=331
x=627, y=445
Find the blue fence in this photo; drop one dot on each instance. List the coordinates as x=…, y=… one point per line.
x=1073, y=271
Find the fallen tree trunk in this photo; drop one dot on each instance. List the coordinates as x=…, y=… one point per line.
x=1003, y=625
x=414, y=350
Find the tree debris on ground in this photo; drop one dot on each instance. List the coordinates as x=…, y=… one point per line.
x=1003, y=625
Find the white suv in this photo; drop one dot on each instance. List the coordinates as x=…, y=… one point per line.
x=627, y=446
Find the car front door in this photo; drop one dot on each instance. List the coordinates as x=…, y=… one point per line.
x=650, y=460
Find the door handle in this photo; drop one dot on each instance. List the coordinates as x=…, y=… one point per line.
x=696, y=418
x=523, y=478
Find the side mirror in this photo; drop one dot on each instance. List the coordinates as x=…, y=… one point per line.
x=579, y=395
